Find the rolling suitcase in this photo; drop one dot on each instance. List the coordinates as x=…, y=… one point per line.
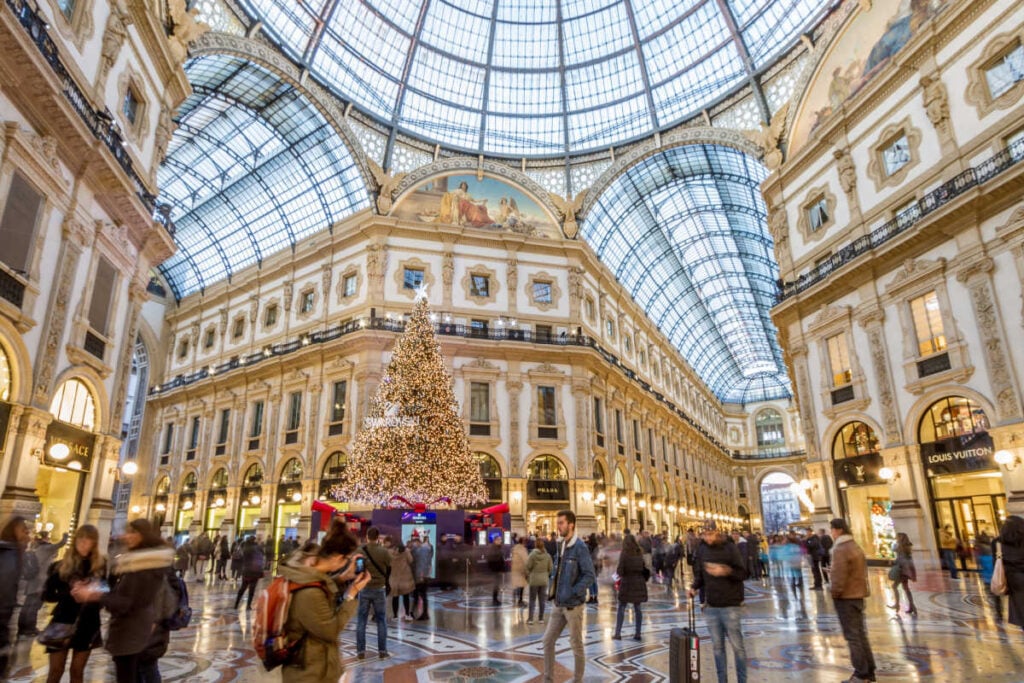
x=684, y=652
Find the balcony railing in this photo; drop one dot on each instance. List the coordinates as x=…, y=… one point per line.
x=767, y=455
x=937, y=198
x=442, y=329
x=100, y=123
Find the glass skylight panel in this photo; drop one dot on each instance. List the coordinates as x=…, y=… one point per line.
x=525, y=46
x=517, y=92
x=519, y=136
x=431, y=118
x=353, y=75
x=597, y=34
x=368, y=35
x=291, y=22
x=601, y=127
x=464, y=34
x=402, y=13
x=655, y=15
x=449, y=80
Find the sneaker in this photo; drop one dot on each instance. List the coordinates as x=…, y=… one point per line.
x=541, y=620
x=637, y=638
x=383, y=655
x=360, y=655
x=616, y=637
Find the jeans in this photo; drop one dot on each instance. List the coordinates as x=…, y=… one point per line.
x=249, y=584
x=28, y=618
x=816, y=572
x=538, y=594
x=724, y=622
x=149, y=671
x=560, y=618
x=620, y=616
x=949, y=559
x=851, y=618
x=405, y=603
x=372, y=597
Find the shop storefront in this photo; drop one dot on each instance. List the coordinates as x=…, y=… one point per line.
x=600, y=498
x=186, y=513
x=216, y=502
x=490, y=471
x=863, y=494
x=547, y=492
x=964, y=483
x=250, y=499
x=163, y=490
x=288, y=506
x=67, y=459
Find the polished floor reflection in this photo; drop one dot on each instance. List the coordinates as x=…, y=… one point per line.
x=955, y=637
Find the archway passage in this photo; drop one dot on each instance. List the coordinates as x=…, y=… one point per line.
x=685, y=232
x=780, y=504
x=252, y=168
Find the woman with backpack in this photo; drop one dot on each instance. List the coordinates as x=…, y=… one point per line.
x=902, y=572
x=137, y=577
x=82, y=562
x=318, y=613
x=633, y=575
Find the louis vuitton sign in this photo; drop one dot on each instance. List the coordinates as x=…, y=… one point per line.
x=960, y=454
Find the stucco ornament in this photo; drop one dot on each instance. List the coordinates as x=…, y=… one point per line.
x=186, y=29
x=387, y=183
x=769, y=136
x=568, y=209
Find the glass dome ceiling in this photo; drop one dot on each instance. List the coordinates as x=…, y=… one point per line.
x=684, y=232
x=534, y=78
x=252, y=168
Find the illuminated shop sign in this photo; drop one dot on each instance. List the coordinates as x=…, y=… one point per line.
x=960, y=454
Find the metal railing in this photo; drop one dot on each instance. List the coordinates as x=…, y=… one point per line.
x=767, y=455
x=441, y=329
x=937, y=198
x=100, y=123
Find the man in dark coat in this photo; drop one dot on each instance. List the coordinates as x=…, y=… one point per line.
x=13, y=540
x=720, y=570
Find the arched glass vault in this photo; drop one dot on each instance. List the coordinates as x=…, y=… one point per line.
x=252, y=167
x=684, y=232
x=535, y=78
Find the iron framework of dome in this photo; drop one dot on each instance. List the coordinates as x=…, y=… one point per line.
x=252, y=168
x=535, y=78
x=684, y=232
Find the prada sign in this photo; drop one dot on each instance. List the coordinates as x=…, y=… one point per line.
x=959, y=454
x=547, y=489
x=79, y=443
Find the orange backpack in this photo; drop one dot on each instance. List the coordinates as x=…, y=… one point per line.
x=268, y=637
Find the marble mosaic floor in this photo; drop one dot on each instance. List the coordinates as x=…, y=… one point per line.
x=956, y=637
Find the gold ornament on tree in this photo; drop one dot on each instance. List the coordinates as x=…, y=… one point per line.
x=412, y=444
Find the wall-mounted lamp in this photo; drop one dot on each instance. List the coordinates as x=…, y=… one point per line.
x=671, y=508
x=808, y=485
x=888, y=474
x=657, y=507
x=255, y=499
x=136, y=509
x=601, y=498
x=187, y=505
x=642, y=504
x=517, y=497
x=586, y=496
x=59, y=452
x=219, y=502
x=692, y=512
x=1007, y=459
x=160, y=507
x=623, y=501
x=297, y=497
x=123, y=473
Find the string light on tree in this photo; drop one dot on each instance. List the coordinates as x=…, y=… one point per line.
x=412, y=443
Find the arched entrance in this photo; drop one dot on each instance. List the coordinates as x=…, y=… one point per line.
x=186, y=508
x=780, y=505
x=547, y=492
x=864, y=498
x=288, y=505
x=964, y=483
x=67, y=458
x=160, y=494
x=600, y=497
x=620, y=499
x=216, y=502
x=332, y=476
x=490, y=471
x=250, y=500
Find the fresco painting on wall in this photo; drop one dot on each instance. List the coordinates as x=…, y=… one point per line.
x=465, y=201
x=865, y=47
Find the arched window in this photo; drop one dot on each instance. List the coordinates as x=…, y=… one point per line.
x=73, y=403
x=292, y=471
x=855, y=438
x=951, y=417
x=638, y=486
x=253, y=476
x=163, y=487
x=599, y=476
x=547, y=467
x=620, y=479
x=220, y=479
x=334, y=468
x=490, y=471
x=190, y=484
x=5, y=376
x=770, y=435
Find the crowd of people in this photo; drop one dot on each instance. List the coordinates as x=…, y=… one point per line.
x=140, y=585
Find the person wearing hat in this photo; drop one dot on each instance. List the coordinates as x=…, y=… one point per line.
x=849, y=588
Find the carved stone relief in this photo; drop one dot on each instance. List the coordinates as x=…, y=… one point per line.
x=56, y=320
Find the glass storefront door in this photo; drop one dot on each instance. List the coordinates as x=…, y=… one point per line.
x=867, y=508
x=60, y=493
x=970, y=503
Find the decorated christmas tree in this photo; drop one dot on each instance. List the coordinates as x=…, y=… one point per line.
x=412, y=444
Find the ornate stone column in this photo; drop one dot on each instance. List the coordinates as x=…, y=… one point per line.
x=907, y=488
x=805, y=399
x=514, y=477
x=27, y=437
x=512, y=279
x=97, y=507
x=871, y=322
x=447, y=276
x=977, y=276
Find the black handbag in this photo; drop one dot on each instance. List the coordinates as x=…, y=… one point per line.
x=57, y=636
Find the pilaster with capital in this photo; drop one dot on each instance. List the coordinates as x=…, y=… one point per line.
x=27, y=438
x=136, y=297
x=977, y=276
x=871, y=322
x=805, y=399
x=514, y=386
x=447, y=277
x=935, y=98
x=581, y=394
x=1011, y=438
x=512, y=279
